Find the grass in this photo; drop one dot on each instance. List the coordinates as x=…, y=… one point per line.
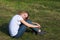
x=45, y=12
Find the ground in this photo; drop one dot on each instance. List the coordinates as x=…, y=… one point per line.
x=45, y=12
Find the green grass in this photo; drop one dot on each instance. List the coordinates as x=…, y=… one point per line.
x=45, y=12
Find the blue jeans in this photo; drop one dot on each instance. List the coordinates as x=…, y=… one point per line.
x=23, y=28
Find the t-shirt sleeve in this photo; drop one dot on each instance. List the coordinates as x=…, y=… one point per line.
x=20, y=18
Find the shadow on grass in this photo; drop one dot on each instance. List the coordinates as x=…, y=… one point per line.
x=4, y=28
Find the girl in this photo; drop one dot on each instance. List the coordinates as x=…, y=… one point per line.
x=20, y=22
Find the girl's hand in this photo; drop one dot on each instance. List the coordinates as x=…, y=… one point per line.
x=38, y=24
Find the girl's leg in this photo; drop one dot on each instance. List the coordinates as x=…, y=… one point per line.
x=23, y=28
x=34, y=29
x=21, y=31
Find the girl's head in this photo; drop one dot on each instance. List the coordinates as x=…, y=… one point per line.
x=24, y=14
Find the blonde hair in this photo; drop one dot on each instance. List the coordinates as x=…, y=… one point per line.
x=21, y=12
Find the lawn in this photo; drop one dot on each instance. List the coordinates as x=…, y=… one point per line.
x=45, y=12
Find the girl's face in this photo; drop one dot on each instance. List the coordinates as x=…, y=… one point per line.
x=25, y=16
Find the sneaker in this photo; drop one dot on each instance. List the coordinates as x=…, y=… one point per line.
x=41, y=33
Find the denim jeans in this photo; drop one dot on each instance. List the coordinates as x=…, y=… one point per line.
x=23, y=28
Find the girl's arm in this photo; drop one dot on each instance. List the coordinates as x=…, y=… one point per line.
x=29, y=25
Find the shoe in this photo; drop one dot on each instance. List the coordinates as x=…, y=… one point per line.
x=41, y=33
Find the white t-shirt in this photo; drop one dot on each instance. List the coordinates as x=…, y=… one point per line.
x=14, y=25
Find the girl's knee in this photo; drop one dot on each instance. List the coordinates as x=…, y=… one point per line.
x=29, y=21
